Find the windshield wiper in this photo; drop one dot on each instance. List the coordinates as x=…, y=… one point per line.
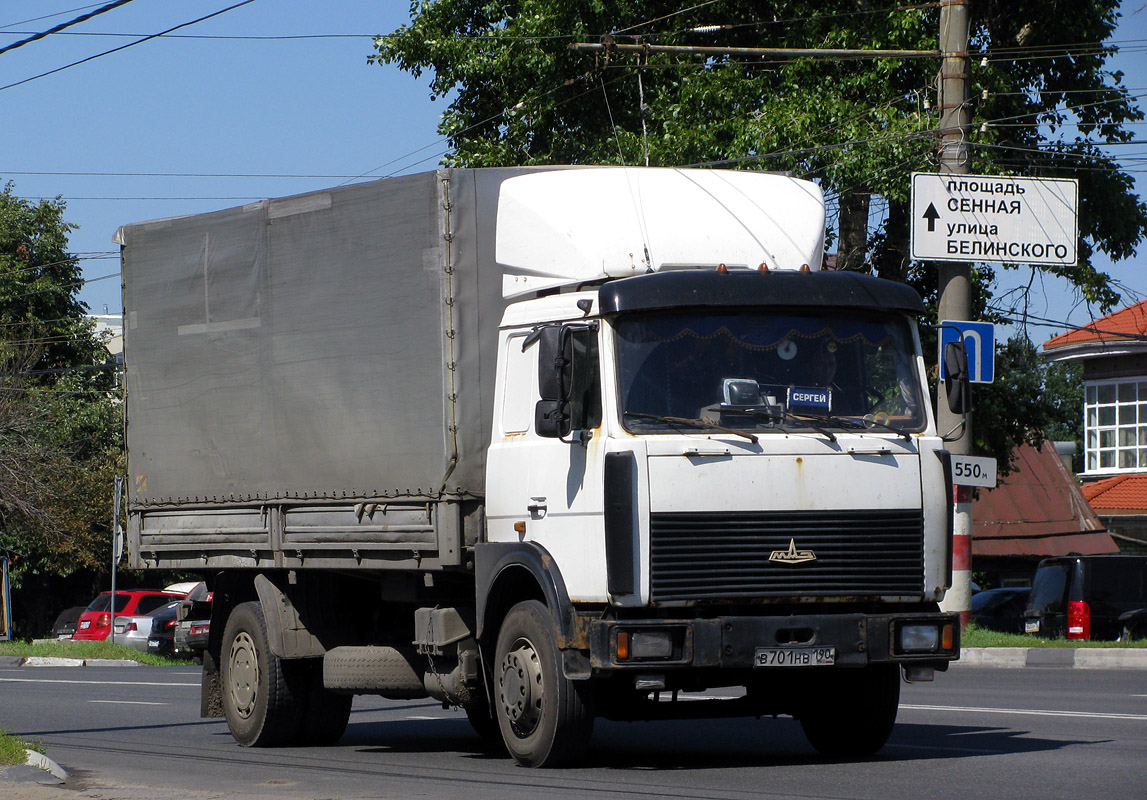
x=784, y=416
x=692, y=423
x=872, y=423
x=850, y=423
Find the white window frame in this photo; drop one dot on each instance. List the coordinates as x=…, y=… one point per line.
x=1115, y=426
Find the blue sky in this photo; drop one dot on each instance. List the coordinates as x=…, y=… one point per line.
x=166, y=123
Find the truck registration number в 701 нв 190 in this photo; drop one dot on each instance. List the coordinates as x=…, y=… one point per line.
x=795, y=656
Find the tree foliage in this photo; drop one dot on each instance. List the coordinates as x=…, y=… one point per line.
x=519, y=95
x=1043, y=102
x=60, y=424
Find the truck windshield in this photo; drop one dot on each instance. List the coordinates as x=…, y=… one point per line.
x=764, y=370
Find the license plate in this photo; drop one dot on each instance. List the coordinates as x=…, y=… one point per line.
x=795, y=656
x=153, y=645
x=87, y=623
x=1031, y=626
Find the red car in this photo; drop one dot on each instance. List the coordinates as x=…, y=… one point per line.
x=96, y=622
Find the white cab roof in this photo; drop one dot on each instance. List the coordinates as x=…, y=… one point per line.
x=569, y=226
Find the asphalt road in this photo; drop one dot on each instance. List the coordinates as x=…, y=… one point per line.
x=135, y=733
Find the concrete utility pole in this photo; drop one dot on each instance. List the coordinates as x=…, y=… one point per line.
x=955, y=278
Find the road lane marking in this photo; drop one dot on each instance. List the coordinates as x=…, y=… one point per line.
x=95, y=683
x=1031, y=712
x=129, y=702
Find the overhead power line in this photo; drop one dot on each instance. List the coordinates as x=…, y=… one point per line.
x=770, y=52
x=126, y=46
x=218, y=37
x=63, y=25
x=48, y=16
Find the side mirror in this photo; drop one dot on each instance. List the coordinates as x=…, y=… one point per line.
x=555, y=362
x=957, y=381
x=553, y=419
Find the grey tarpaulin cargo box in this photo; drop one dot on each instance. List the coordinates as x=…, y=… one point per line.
x=309, y=379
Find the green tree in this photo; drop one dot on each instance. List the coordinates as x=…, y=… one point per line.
x=60, y=422
x=1044, y=104
x=39, y=283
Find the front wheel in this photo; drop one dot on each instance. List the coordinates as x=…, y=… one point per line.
x=546, y=720
x=853, y=713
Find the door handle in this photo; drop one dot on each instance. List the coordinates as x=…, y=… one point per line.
x=538, y=506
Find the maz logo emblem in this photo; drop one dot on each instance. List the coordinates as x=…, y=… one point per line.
x=792, y=555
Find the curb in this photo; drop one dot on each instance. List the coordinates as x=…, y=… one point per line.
x=37, y=769
x=41, y=761
x=1053, y=657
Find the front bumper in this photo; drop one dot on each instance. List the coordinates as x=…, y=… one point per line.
x=733, y=642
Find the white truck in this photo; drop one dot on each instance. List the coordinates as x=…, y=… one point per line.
x=545, y=443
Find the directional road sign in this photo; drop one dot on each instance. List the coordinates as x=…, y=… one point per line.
x=994, y=218
x=980, y=342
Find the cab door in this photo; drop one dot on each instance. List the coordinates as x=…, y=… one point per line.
x=544, y=488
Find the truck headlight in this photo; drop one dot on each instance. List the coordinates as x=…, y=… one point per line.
x=649, y=644
x=923, y=638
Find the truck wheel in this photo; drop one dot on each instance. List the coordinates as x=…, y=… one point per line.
x=262, y=707
x=545, y=719
x=853, y=714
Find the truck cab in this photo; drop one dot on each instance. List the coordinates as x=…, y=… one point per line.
x=731, y=475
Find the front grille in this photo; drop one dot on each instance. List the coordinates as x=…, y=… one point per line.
x=725, y=555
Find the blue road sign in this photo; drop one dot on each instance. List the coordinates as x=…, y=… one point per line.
x=980, y=342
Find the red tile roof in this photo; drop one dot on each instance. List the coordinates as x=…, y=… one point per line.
x=1037, y=510
x=1122, y=494
x=1130, y=320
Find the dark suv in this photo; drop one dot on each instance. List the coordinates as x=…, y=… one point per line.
x=1082, y=597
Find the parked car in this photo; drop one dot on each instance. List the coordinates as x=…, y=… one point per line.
x=1001, y=609
x=194, y=626
x=133, y=631
x=66, y=624
x=95, y=622
x=161, y=639
x=1082, y=597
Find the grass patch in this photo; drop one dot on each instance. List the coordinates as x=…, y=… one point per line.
x=67, y=648
x=974, y=636
x=12, y=750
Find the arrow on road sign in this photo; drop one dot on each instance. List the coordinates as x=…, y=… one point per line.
x=931, y=215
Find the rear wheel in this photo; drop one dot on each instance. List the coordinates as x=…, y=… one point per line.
x=853, y=714
x=545, y=719
x=263, y=708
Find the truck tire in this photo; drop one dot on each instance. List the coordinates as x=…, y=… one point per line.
x=546, y=720
x=262, y=706
x=853, y=714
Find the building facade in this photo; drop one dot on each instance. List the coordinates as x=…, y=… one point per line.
x=1113, y=353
